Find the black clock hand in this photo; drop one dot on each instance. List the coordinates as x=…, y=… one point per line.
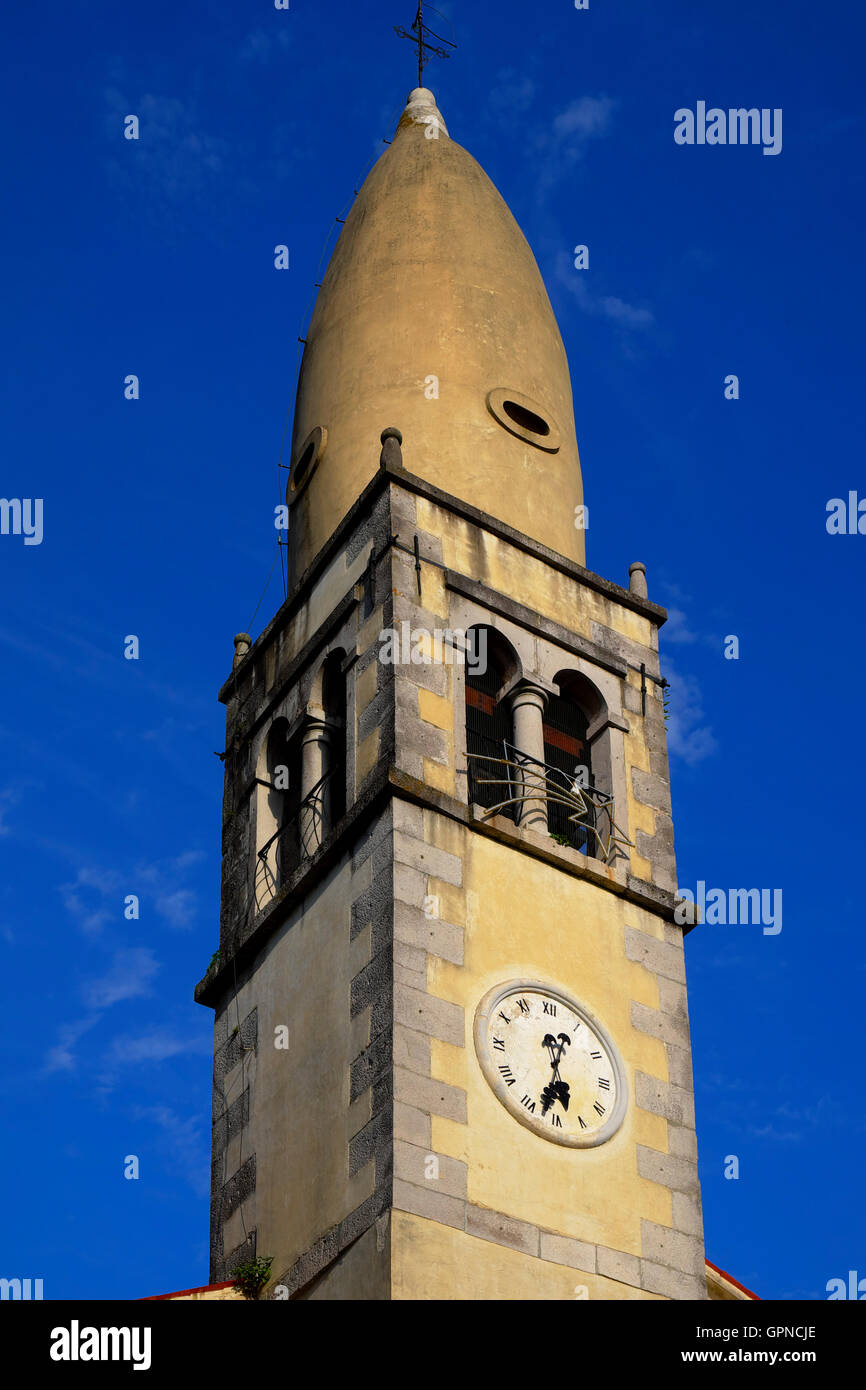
x=556, y=1089
x=550, y=1042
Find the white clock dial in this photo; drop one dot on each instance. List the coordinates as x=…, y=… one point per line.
x=550, y=1064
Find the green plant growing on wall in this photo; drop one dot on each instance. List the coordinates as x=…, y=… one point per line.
x=560, y=839
x=252, y=1277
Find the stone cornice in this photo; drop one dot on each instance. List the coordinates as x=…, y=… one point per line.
x=389, y=473
x=534, y=622
x=385, y=782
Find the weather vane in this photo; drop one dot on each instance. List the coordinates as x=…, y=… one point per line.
x=419, y=34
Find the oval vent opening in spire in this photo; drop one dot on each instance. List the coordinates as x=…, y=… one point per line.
x=307, y=457
x=524, y=418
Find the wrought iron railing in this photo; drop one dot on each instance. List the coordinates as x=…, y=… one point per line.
x=489, y=776
x=505, y=781
x=295, y=840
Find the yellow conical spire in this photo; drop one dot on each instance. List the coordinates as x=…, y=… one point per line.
x=433, y=318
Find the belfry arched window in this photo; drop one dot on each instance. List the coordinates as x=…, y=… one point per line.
x=490, y=662
x=569, y=769
x=334, y=762
x=323, y=756
x=279, y=781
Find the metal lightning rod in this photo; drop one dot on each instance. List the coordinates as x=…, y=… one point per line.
x=418, y=35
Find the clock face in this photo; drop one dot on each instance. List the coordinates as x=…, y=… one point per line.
x=550, y=1064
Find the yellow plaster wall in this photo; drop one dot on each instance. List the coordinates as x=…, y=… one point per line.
x=527, y=920
x=471, y=551
x=429, y=1261
x=301, y=1119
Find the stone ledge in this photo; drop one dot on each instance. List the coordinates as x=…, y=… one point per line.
x=667, y=1266
x=624, y=597
x=382, y=784
x=436, y=1206
x=616, y=1264
x=502, y=1230
x=565, y=1250
x=536, y=623
x=410, y=1161
x=671, y=1283
x=662, y=1245
x=643, y=894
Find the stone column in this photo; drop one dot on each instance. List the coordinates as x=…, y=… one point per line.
x=315, y=818
x=527, y=702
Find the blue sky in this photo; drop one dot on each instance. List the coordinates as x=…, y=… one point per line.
x=156, y=258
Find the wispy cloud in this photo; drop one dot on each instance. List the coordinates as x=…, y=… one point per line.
x=128, y=977
x=564, y=142
x=581, y=120
x=690, y=737
x=175, y=162
x=601, y=305
x=556, y=148
x=133, y=1055
x=677, y=629
x=174, y=903
x=610, y=306
x=95, y=897
x=62, y=1057
x=511, y=95
x=186, y=1149
x=132, y=1049
x=261, y=45
x=773, y=1132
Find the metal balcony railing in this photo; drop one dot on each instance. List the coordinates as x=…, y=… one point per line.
x=297, y=839
x=506, y=781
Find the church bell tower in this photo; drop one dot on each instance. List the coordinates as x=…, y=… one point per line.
x=451, y=1051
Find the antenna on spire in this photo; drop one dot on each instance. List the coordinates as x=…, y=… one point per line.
x=419, y=34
